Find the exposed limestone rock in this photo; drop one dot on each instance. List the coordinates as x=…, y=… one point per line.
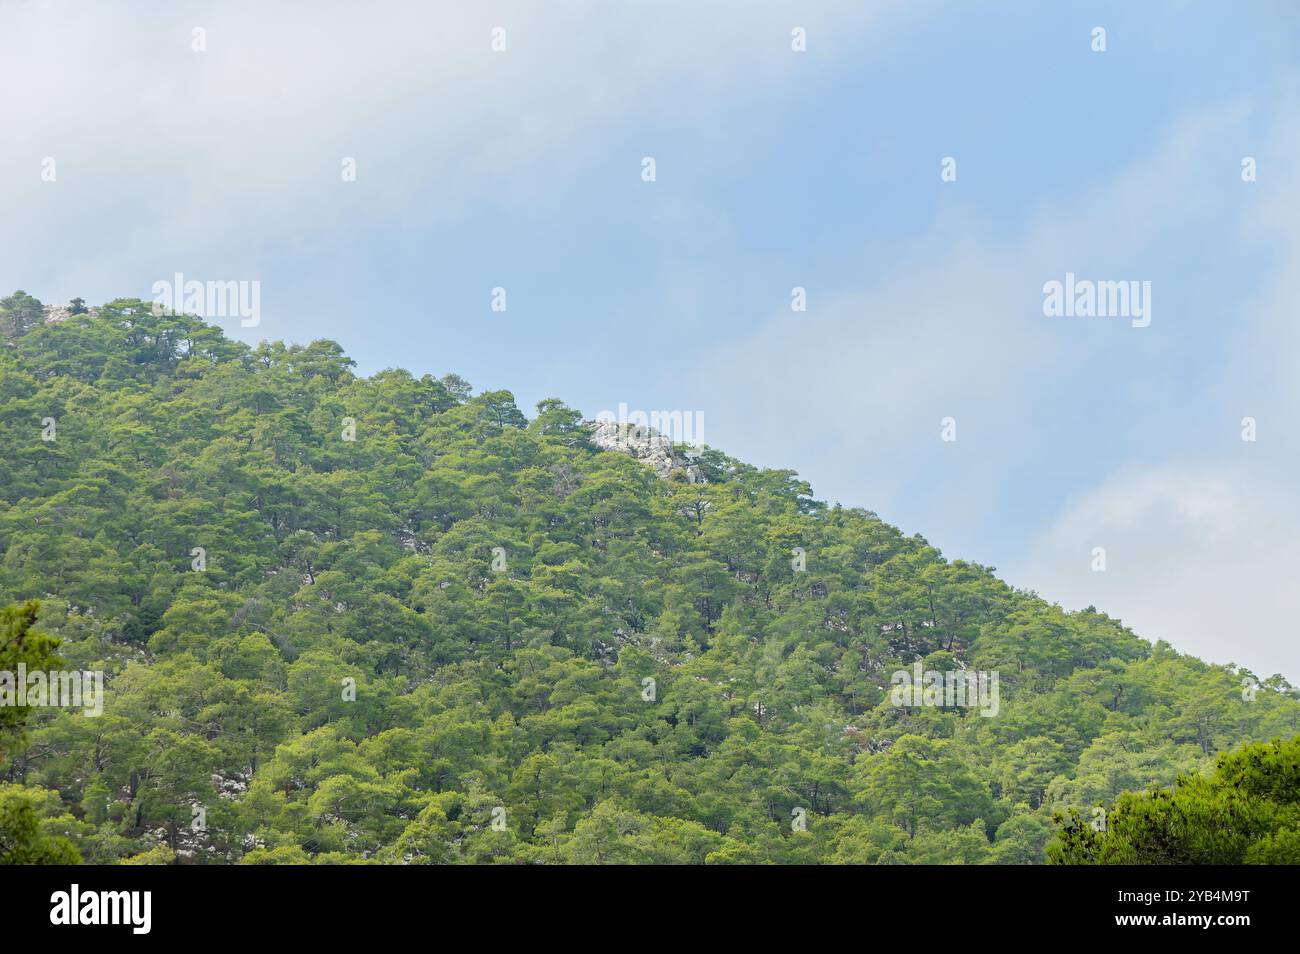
x=56, y=313
x=646, y=445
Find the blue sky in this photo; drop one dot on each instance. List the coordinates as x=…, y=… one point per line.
x=775, y=169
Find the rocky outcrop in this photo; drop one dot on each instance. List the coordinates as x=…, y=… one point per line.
x=56, y=313
x=648, y=446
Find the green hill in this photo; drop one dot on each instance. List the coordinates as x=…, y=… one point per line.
x=467, y=636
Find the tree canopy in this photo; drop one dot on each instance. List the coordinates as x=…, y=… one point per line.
x=386, y=619
x=1247, y=811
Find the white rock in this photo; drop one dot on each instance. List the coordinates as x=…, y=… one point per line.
x=646, y=445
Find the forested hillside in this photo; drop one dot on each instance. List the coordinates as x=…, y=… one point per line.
x=470, y=636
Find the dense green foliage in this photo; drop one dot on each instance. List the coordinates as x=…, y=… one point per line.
x=24, y=838
x=517, y=694
x=1246, y=812
x=21, y=644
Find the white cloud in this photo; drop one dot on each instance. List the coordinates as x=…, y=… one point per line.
x=1203, y=547
x=1201, y=555
x=855, y=388
x=1202, y=542
x=227, y=161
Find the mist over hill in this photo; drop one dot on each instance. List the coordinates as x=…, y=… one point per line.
x=343, y=619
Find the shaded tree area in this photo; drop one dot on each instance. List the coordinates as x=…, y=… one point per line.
x=1247, y=811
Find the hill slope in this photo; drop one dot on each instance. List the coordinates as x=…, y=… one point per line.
x=467, y=636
